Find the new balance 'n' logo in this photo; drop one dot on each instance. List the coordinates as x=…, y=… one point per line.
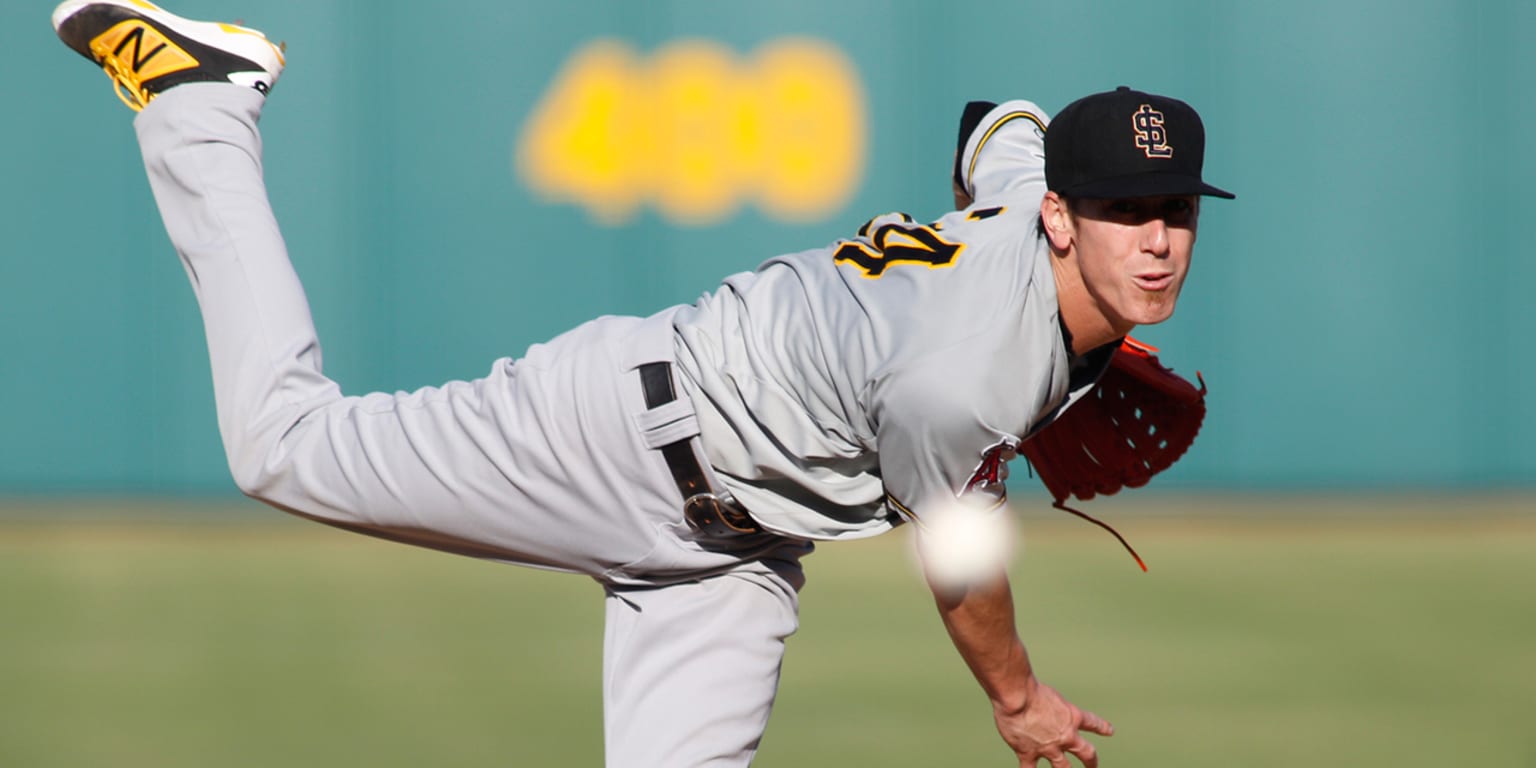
x=139, y=58
x=143, y=50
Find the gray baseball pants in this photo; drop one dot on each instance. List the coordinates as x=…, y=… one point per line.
x=548, y=461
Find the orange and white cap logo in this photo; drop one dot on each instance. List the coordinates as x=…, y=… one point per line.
x=1150, y=136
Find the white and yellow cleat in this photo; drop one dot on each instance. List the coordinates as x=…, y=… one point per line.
x=146, y=50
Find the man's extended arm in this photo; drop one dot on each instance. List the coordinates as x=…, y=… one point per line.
x=1032, y=717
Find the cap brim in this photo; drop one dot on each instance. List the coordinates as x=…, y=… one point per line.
x=1145, y=185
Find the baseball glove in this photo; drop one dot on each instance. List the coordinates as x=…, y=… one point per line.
x=1136, y=422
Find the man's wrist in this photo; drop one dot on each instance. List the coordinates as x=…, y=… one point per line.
x=1016, y=699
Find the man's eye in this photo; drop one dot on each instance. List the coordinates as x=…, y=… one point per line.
x=1123, y=206
x=1177, y=205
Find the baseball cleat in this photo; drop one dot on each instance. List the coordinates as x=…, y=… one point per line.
x=146, y=50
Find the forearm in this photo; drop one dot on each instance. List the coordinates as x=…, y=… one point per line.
x=980, y=621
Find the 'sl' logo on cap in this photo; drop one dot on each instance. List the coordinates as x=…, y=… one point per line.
x=1150, y=135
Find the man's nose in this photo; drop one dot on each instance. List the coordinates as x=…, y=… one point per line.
x=1154, y=237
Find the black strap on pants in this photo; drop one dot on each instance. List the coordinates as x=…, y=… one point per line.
x=704, y=510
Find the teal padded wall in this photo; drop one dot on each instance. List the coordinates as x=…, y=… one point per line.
x=1360, y=311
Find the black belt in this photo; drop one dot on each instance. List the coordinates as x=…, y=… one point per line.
x=704, y=510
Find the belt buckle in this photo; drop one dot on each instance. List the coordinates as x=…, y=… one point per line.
x=710, y=514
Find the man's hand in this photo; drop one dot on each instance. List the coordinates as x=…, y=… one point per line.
x=1048, y=728
x=1031, y=716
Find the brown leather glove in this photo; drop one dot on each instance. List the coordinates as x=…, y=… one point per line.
x=1136, y=422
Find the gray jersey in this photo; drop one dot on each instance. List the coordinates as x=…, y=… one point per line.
x=844, y=388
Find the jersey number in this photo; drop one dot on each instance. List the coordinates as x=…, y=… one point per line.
x=897, y=242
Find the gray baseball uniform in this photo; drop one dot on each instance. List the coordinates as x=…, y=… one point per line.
x=832, y=392
x=840, y=387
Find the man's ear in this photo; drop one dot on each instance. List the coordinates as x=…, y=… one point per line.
x=1057, y=220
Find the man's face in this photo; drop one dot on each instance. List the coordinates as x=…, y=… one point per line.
x=1134, y=254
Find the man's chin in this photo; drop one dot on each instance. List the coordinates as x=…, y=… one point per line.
x=1153, y=310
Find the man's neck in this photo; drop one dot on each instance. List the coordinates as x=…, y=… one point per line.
x=1087, y=327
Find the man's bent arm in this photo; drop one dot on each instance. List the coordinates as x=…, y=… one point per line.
x=980, y=621
x=1031, y=716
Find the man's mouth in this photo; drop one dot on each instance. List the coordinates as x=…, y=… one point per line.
x=1153, y=281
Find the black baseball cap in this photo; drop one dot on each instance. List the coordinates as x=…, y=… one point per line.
x=1126, y=143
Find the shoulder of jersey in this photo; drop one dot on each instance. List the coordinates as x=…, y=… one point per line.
x=1004, y=151
x=1007, y=207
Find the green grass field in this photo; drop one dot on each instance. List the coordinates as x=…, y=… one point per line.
x=1336, y=637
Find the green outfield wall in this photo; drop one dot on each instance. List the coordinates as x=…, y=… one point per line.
x=459, y=181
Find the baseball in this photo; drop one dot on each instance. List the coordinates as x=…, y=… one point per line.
x=960, y=546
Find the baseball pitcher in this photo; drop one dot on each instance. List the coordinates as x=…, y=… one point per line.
x=688, y=460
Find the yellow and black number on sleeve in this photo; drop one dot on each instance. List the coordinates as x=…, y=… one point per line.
x=897, y=242
x=903, y=241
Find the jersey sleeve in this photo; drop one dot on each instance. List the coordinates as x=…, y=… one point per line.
x=943, y=436
x=1004, y=151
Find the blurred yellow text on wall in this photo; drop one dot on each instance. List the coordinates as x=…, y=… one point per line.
x=697, y=131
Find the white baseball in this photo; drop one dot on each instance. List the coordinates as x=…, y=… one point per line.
x=960, y=546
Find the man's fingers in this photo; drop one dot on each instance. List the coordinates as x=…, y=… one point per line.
x=1084, y=751
x=1096, y=724
x=1058, y=759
